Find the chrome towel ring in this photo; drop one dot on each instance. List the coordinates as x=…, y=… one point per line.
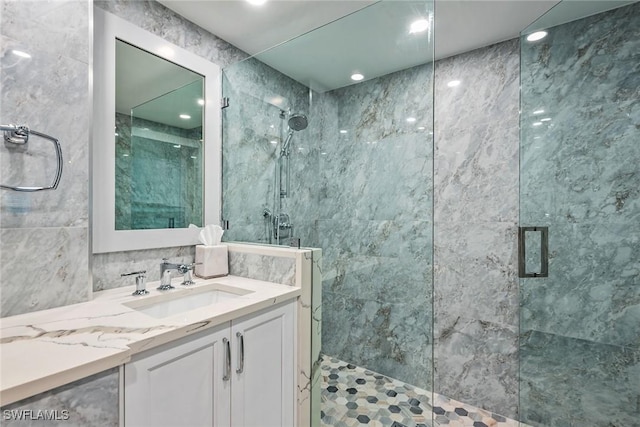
x=19, y=135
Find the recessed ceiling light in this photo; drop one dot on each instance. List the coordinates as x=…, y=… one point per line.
x=537, y=123
x=257, y=2
x=421, y=128
x=200, y=101
x=419, y=26
x=538, y=112
x=411, y=119
x=357, y=77
x=538, y=35
x=177, y=146
x=273, y=141
x=185, y=116
x=125, y=155
x=454, y=83
x=343, y=131
x=546, y=119
x=20, y=53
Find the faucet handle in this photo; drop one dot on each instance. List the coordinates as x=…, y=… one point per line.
x=141, y=278
x=186, y=270
x=141, y=272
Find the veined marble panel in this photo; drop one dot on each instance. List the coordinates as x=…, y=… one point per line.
x=572, y=382
x=92, y=401
x=392, y=338
x=476, y=136
x=376, y=260
x=477, y=361
x=580, y=164
x=44, y=251
x=309, y=327
x=488, y=86
x=163, y=22
x=263, y=267
x=107, y=267
x=593, y=289
x=381, y=167
x=37, y=25
x=252, y=136
x=475, y=235
x=579, y=176
x=374, y=211
x=476, y=272
x=43, y=268
x=389, y=179
x=58, y=106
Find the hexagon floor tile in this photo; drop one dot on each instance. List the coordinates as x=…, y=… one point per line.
x=356, y=397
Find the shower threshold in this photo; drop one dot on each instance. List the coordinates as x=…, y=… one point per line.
x=353, y=397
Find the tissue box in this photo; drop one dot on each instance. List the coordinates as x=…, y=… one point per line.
x=212, y=261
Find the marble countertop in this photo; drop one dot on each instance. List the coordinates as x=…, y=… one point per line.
x=46, y=349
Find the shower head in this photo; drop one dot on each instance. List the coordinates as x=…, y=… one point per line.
x=298, y=122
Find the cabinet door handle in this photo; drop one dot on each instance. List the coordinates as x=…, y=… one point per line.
x=240, y=353
x=227, y=360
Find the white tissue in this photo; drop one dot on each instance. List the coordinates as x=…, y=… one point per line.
x=212, y=258
x=211, y=235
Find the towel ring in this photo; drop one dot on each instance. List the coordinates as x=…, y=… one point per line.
x=19, y=135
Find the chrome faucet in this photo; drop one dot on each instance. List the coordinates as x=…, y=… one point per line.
x=165, y=274
x=186, y=269
x=140, y=281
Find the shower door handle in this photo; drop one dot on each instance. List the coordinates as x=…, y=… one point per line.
x=544, y=251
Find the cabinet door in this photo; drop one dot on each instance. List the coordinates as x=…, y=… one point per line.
x=180, y=383
x=263, y=391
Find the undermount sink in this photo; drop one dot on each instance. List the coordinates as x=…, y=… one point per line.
x=183, y=300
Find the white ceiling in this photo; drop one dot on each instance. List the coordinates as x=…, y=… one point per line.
x=374, y=40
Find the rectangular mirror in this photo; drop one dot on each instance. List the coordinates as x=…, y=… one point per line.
x=159, y=110
x=157, y=149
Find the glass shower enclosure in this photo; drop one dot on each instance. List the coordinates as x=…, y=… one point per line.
x=580, y=204
x=328, y=141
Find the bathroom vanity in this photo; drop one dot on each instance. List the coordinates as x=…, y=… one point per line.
x=228, y=351
x=239, y=373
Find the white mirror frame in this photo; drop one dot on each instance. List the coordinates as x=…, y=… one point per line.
x=106, y=238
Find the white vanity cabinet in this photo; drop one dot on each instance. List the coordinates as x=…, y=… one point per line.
x=239, y=374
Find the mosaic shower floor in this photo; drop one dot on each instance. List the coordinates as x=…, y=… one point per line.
x=356, y=397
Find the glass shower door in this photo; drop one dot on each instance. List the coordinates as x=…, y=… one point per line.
x=580, y=182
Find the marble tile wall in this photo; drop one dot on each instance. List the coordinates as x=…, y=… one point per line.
x=90, y=402
x=44, y=249
x=580, y=178
x=374, y=224
x=263, y=267
x=475, y=240
x=251, y=125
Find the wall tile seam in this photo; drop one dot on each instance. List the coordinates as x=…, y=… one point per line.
x=460, y=318
x=61, y=227
x=587, y=341
x=44, y=51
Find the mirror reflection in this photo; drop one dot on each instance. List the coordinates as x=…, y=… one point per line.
x=158, y=142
